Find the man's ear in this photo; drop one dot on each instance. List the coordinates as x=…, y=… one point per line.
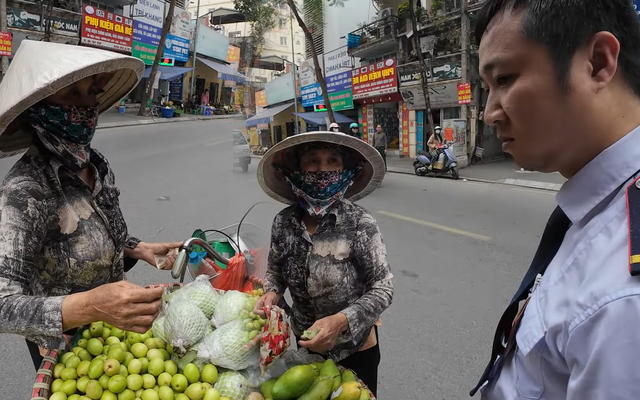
x=603, y=51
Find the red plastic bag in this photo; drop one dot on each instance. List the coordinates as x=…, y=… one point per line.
x=233, y=277
x=275, y=337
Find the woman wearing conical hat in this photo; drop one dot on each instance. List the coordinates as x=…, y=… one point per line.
x=64, y=244
x=327, y=250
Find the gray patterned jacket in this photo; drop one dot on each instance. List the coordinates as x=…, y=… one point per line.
x=56, y=238
x=342, y=267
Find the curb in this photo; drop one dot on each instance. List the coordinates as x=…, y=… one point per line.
x=155, y=121
x=552, y=187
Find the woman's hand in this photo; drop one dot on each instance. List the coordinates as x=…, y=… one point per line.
x=121, y=304
x=330, y=329
x=148, y=251
x=267, y=300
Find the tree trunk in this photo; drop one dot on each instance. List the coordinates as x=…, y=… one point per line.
x=424, y=80
x=154, y=69
x=314, y=55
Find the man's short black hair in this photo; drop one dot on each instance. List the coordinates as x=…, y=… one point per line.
x=562, y=26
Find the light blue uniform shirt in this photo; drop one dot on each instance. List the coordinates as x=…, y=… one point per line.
x=579, y=338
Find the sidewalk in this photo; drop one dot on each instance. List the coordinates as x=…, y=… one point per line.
x=504, y=172
x=112, y=119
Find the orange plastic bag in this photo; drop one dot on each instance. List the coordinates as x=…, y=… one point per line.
x=234, y=276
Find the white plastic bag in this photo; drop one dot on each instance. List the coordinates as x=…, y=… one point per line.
x=230, y=347
x=184, y=325
x=233, y=385
x=289, y=358
x=201, y=293
x=233, y=305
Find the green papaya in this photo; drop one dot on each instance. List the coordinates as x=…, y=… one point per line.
x=348, y=376
x=266, y=388
x=293, y=383
x=329, y=369
x=320, y=390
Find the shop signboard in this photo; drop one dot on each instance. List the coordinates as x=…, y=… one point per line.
x=175, y=90
x=636, y=6
x=233, y=54
x=441, y=96
x=411, y=74
x=23, y=19
x=279, y=90
x=339, y=91
x=148, y=18
x=337, y=61
x=178, y=40
x=375, y=79
x=5, y=44
x=67, y=27
x=311, y=95
x=464, y=93
x=307, y=73
x=457, y=128
x=371, y=127
x=419, y=130
x=405, y=130
x=101, y=28
x=212, y=44
x=261, y=98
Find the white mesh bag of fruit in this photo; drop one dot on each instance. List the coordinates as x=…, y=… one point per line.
x=233, y=305
x=233, y=385
x=230, y=346
x=184, y=325
x=201, y=293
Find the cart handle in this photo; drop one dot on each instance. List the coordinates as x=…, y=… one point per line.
x=181, y=260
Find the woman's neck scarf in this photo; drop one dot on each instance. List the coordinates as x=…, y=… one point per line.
x=65, y=131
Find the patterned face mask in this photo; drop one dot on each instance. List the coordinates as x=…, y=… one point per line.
x=66, y=131
x=319, y=191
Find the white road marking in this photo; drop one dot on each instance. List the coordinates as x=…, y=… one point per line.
x=435, y=226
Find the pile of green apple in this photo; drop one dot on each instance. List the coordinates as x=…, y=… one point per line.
x=111, y=364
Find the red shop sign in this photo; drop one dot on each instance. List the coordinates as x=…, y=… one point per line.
x=105, y=29
x=375, y=79
x=5, y=44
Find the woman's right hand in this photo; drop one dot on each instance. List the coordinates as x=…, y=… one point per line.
x=127, y=306
x=267, y=300
x=121, y=304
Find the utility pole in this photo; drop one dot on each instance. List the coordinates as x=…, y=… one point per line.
x=156, y=61
x=293, y=75
x=195, y=52
x=424, y=80
x=3, y=28
x=47, y=22
x=464, y=44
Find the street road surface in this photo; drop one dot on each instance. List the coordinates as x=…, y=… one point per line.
x=457, y=249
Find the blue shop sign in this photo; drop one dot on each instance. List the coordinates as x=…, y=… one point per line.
x=146, y=34
x=311, y=95
x=177, y=48
x=339, y=82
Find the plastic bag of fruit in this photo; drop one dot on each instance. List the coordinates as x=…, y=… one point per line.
x=231, y=346
x=289, y=359
x=233, y=305
x=184, y=325
x=234, y=385
x=275, y=337
x=232, y=277
x=201, y=293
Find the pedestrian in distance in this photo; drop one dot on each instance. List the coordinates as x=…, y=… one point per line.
x=64, y=243
x=334, y=127
x=354, y=130
x=380, y=143
x=327, y=250
x=563, y=81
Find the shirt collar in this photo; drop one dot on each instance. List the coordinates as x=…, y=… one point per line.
x=600, y=177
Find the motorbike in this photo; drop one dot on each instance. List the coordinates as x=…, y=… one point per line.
x=445, y=163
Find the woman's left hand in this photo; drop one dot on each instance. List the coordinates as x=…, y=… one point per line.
x=148, y=251
x=330, y=329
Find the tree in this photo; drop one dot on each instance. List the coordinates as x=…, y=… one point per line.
x=424, y=77
x=154, y=69
x=47, y=21
x=254, y=9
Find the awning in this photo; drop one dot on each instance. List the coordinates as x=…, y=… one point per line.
x=318, y=118
x=226, y=72
x=224, y=16
x=267, y=115
x=167, y=73
x=272, y=63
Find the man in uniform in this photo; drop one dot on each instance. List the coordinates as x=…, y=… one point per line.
x=564, y=94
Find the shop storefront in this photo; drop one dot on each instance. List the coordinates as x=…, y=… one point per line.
x=272, y=124
x=375, y=91
x=106, y=30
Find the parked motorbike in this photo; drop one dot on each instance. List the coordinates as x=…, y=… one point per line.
x=445, y=163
